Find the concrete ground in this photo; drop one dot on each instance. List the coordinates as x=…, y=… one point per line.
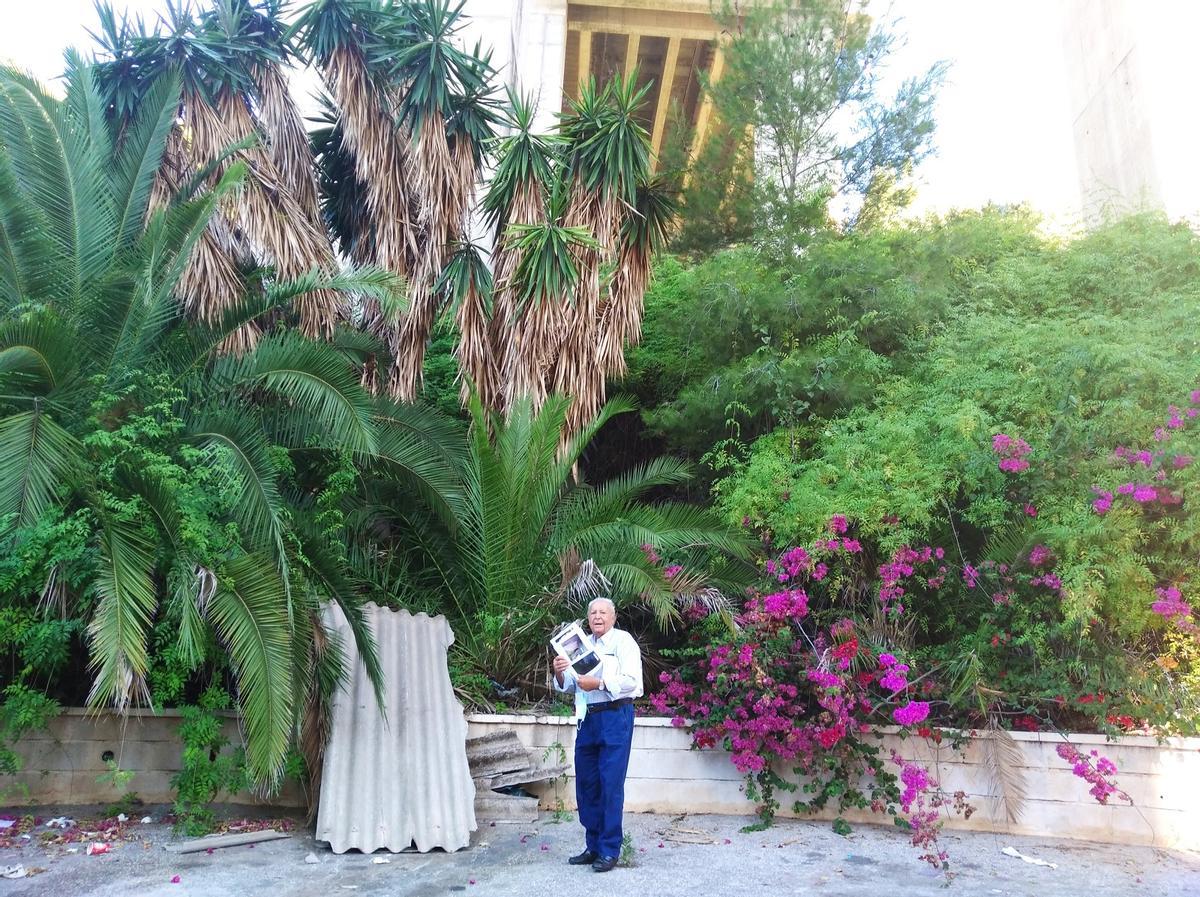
x=672, y=857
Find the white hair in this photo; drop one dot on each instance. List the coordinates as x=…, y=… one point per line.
x=607, y=601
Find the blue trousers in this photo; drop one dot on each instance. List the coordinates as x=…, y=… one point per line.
x=601, y=760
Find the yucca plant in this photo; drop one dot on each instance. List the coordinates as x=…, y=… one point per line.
x=609, y=155
x=517, y=194
x=117, y=412
x=645, y=231
x=234, y=107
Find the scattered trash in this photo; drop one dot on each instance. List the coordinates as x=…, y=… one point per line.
x=60, y=822
x=146, y=820
x=97, y=847
x=7, y=823
x=379, y=861
x=13, y=872
x=175, y=879
x=470, y=881
x=121, y=817
x=545, y=847
x=1033, y=861
x=72, y=850
x=311, y=859
x=727, y=841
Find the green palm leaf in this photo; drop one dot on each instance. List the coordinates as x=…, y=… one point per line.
x=238, y=449
x=310, y=376
x=36, y=457
x=140, y=154
x=117, y=632
x=60, y=171
x=26, y=252
x=249, y=613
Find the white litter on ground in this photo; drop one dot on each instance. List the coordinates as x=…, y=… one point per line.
x=1033, y=861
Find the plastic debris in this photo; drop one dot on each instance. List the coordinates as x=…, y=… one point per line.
x=13, y=872
x=146, y=820
x=97, y=847
x=60, y=822
x=311, y=859
x=175, y=879
x=121, y=817
x=7, y=823
x=379, y=861
x=1033, y=861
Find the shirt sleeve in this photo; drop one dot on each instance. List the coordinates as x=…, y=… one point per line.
x=568, y=681
x=622, y=670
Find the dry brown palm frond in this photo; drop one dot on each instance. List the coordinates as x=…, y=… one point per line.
x=315, y=725
x=475, y=362
x=505, y=332
x=577, y=370
x=1004, y=762
x=280, y=231
x=435, y=184
x=380, y=159
x=287, y=140
x=621, y=320
x=531, y=347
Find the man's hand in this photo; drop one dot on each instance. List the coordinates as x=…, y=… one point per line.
x=560, y=665
x=588, y=683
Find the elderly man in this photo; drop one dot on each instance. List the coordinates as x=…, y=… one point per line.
x=604, y=708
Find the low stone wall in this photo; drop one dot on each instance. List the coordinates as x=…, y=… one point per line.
x=64, y=764
x=666, y=776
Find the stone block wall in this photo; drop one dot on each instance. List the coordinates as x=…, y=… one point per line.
x=666, y=776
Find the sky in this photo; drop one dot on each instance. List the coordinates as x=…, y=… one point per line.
x=1004, y=120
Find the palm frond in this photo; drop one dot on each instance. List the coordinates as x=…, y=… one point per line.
x=139, y=156
x=1005, y=765
x=36, y=457
x=311, y=376
x=239, y=452
x=59, y=171
x=250, y=616
x=119, y=626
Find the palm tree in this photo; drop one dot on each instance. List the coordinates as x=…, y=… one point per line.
x=234, y=107
x=414, y=113
x=517, y=541
x=178, y=458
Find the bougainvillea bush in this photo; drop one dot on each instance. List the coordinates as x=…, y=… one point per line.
x=792, y=687
x=796, y=685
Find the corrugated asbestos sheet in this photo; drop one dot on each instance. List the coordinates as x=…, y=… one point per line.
x=391, y=784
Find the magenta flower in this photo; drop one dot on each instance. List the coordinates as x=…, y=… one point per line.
x=911, y=713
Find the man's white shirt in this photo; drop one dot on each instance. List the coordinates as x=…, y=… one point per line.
x=620, y=670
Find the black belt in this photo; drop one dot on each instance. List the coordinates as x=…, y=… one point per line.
x=601, y=706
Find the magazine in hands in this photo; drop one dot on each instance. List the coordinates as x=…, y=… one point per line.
x=569, y=641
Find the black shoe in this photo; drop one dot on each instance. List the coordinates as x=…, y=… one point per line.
x=604, y=864
x=583, y=859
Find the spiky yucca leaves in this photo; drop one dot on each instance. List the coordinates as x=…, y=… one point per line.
x=516, y=195
x=467, y=284
x=609, y=155
x=348, y=40
x=444, y=103
x=222, y=57
x=645, y=231
x=545, y=278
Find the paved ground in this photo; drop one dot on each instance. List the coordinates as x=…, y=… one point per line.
x=522, y=860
